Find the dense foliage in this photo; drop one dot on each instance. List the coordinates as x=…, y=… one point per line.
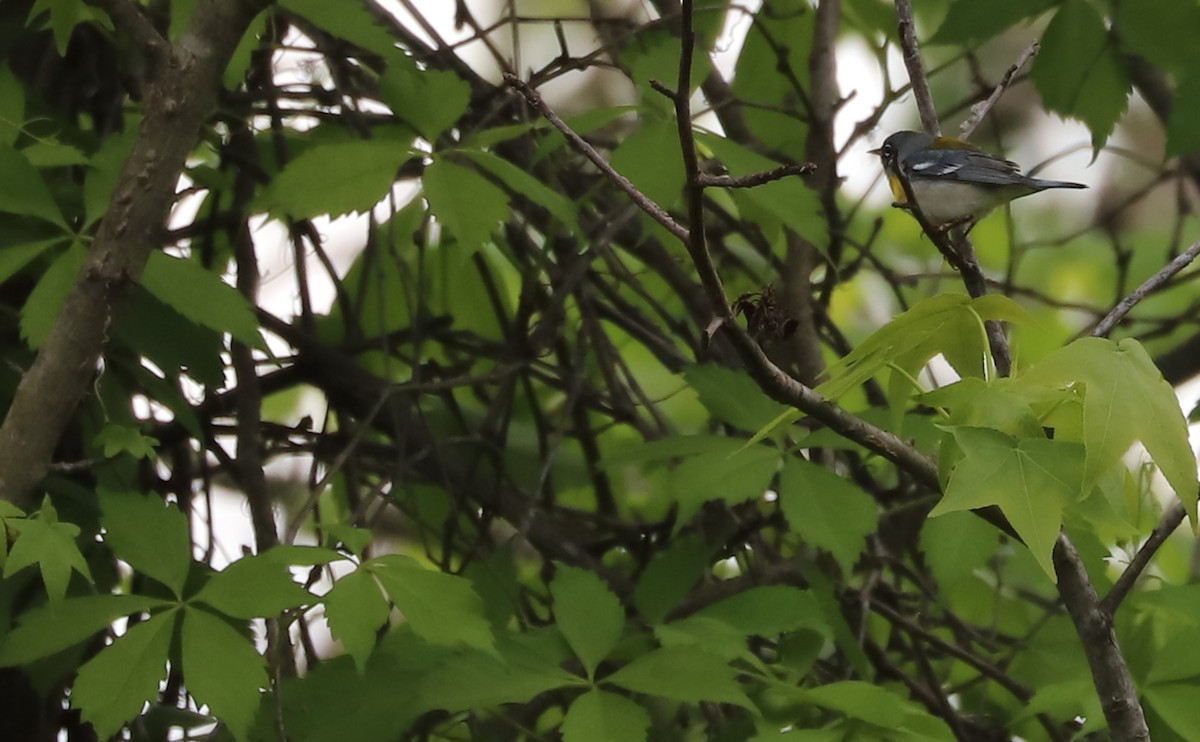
x=550, y=418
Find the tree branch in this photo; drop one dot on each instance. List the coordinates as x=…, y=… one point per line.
x=179, y=96
x=916, y=69
x=1126, y=305
x=979, y=110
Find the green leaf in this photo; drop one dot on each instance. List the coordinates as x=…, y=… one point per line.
x=864, y=701
x=1162, y=31
x=732, y=396
x=713, y=636
x=1176, y=704
x=46, y=299
x=149, y=535
x=22, y=190
x=1030, y=480
x=104, y=171
x=173, y=342
x=442, y=609
x=201, y=296
x=768, y=611
x=734, y=474
x=1126, y=399
x=965, y=24
x=254, y=587
x=527, y=665
x=947, y=323
x=957, y=544
x=670, y=576
x=51, y=546
x=653, y=161
x=350, y=21
x=598, y=716
x=682, y=674
x=1183, y=126
x=12, y=106
x=523, y=183
x=828, y=511
x=1080, y=72
x=52, y=628
x=429, y=100
x=468, y=204
x=587, y=613
x=112, y=687
x=15, y=257
x=355, y=608
x=982, y=404
x=115, y=440
x=222, y=669
x=334, y=179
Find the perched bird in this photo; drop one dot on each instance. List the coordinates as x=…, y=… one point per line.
x=952, y=181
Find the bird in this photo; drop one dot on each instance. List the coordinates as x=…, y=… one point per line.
x=953, y=182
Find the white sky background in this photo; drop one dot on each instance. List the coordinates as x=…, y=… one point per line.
x=857, y=72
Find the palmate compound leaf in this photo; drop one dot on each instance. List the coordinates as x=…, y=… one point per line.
x=257, y=586
x=1126, y=400
x=22, y=190
x=587, y=613
x=440, y=608
x=112, y=686
x=599, y=716
x=222, y=669
x=1030, y=480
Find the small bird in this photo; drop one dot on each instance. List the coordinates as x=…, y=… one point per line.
x=953, y=182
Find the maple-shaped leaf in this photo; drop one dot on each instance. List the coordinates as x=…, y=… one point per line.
x=1031, y=480
x=1126, y=399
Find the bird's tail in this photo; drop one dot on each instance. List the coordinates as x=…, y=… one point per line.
x=1042, y=185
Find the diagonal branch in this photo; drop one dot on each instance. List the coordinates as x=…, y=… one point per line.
x=180, y=94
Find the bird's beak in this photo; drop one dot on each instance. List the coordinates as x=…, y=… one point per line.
x=875, y=151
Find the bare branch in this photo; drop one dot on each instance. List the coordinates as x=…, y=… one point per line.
x=658, y=213
x=755, y=179
x=916, y=69
x=1126, y=305
x=981, y=109
x=129, y=18
x=1166, y=526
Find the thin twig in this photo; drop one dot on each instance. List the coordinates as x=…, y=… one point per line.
x=656, y=212
x=1181, y=261
x=754, y=179
x=1166, y=526
x=981, y=109
x=916, y=70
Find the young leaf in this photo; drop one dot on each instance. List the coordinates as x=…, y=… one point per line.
x=115, y=440
x=50, y=545
x=828, y=511
x=1080, y=72
x=1127, y=399
x=682, y=674
x=22, y=190
x=442, y=609
x=355, y=609
x=587, y=613
x=334, y=179
x=221, y=669
x=201, y=296
x=599, y=716
x=148, y=534
x=467, y=203
x=1031, y=480
x=113, y=686
x=54, y=627
x=253, y=587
